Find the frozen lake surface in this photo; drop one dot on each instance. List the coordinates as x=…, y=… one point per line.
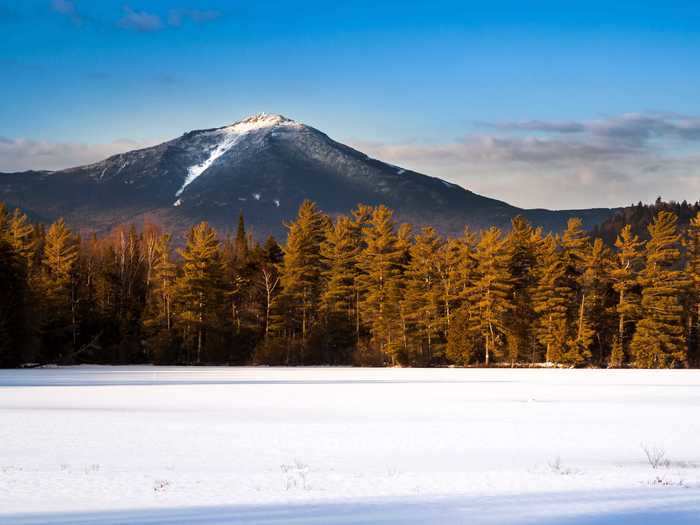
x=108, y=445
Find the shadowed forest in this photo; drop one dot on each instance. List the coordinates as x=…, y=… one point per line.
x=358, y=289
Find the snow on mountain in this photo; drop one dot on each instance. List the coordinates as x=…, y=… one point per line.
x=265, y=166
x=227, y=137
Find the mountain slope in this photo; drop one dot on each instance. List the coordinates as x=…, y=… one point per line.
x=265, y=166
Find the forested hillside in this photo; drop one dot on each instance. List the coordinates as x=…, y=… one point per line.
x=640, y=215
x=358, y=289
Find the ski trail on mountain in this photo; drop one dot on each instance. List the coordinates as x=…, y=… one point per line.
x=230, y=136
x=195, y=171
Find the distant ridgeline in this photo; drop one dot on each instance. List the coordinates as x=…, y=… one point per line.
x=356, y=289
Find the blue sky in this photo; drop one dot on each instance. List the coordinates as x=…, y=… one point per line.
x=531, y=102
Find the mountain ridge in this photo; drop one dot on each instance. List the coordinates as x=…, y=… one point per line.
x=264, y=165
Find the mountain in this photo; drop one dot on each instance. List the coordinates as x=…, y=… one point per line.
x=265, y=166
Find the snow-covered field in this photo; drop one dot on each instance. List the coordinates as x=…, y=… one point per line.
x=326, y=445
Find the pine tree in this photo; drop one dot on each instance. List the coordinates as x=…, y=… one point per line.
x=381, y=262
x=241, y=247
x=579, y=330
x=575, y=245
x=4, y=219
x=552, y=298
x=422, y=299
x=60, y=257
x=462, y=325
x=339, y=253
x=492, y=292
x=200, y=287
x=462, y=338
x=455, y=265
x=300, y=275
x=659, y=339
x=598, y=286
x=624, y=274
x=692, y=270
x=59, y=288
x=523, y=243
x=239, y=274
x=592, y=321
x=21, y=236
x=361, y=217
x=14, y=310
x=160, y=309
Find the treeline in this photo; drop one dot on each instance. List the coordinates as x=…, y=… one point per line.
x=357, y=289
x=639, y=216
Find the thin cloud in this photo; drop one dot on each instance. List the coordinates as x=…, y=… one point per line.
x=66, y=8
x=634, y=129
x=140, y=21
x=145, y=22
x=178, y=17
x=607, y=162
x=27, y=154
x=538, y=125
x=638, y=129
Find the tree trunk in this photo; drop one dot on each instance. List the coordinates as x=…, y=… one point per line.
x=580, y=317
x=200, y=330
x=621, y=324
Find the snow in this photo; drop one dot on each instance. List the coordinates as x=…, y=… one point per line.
x=347, y=445
x=227, y=137
x=227, y=140
x=256, y=196
x=277, y=203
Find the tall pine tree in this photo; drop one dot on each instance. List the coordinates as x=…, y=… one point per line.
x=624, y=274
x=300, y=277
x=58, y=283
x=552, y=299
x=659, y=339
x=422, y=300
x=523, y=243
x=492, y=292
x=380, y=263
x=200, y=287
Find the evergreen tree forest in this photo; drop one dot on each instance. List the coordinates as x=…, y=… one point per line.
x=359, y=289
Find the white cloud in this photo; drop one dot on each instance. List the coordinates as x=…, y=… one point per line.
x=146, y=22
x=607, y=162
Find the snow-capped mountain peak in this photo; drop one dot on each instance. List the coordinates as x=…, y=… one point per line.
x=229, y=136
x=260, y=121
